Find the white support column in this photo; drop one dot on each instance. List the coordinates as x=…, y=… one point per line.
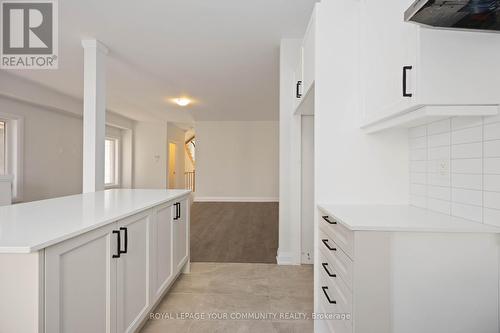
x=94, y=114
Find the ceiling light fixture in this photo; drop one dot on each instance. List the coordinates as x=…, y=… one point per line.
x=182, y=101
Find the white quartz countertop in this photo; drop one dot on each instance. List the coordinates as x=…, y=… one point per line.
x=29, y=227
x=401, y=218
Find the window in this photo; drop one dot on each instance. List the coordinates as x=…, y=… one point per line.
x=3, y=159
x=111, y=162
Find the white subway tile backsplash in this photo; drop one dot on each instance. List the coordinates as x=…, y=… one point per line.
x=440, y=206
x=468, y=150
x=492, y=183
x=491, y=216
x=439, y=192
x=437, y=179
x=439, y=153
x=418, y=166
x=418, y=178
x=418, y=154
x=492, y=119
x=469, y=212
x=465, y=122
x=492, y=166
x=419, y=131
x=469, y=197
x=464, y=181
x=467, y=135
x=467, y=165
x=492, y=200
x=439, y=140
x=418, y=143
x=437, y=127
x=492, y=148
x=492, y=131
x=455, y=167
x=418, y=189
x=418, y=201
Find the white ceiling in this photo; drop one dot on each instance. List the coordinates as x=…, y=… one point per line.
x=222, y=53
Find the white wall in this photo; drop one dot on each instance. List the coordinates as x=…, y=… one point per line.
x=52, y=150
x=176, y=135
x=237, y=160
x=53, y=136
x=150, y=155
x=289, y=251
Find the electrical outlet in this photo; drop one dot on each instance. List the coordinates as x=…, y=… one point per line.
x=444, y=167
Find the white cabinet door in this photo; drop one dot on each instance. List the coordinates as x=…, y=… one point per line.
x=308, y=54
x=133, y=274
x=162, y=244
x=80, y=289
x=180, y=234
x=388, y=44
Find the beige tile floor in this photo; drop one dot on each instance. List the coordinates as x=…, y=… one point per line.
x=226, y=288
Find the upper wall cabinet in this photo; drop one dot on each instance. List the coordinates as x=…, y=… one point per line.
x=405, y=68
x=304, y=73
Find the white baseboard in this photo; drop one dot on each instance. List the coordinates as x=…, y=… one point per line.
x=285, y=258
x=235, y=199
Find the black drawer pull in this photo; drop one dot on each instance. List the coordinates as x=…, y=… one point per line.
x=118, y=245
x=328, y=297
x=298, y=94
x=125, y=240
x=325, y=241
x=327, y=220
x=327, y=271
x=405, y=69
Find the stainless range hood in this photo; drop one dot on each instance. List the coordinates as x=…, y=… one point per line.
x=456, y=14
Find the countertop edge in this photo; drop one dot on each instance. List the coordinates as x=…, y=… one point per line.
x=44, y=245
x=487, y=229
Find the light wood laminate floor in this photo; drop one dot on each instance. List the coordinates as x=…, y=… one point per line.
x=226, y=288
x=241, y=232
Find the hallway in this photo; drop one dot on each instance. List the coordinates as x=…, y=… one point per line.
x=238, y=232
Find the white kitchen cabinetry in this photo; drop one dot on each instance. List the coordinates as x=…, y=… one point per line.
x=133, y=271
x=392, y=269
x=405, y=67
x=100, y=265
x=162, y=243
x=304, y=73
x=80, y=283
x=308, y=54
x=180, y=234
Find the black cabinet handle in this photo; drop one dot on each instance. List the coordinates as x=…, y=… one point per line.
x=118, y=245
x=405, y=69
x=176, y=212
x=327, y=220
x=327, y=271
x=297, y=91
x=328, y=297
x=325, y=241
x=125, y=240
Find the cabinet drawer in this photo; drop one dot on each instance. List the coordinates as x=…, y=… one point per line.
x=336, y=300
x=336, y=259
x=340, y=234
x=336, y=290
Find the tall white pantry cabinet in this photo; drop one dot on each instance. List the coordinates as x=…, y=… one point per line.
x=110, y=278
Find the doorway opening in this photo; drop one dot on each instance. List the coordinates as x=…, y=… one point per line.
x=172, y=158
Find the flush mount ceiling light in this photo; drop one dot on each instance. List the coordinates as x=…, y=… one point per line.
x=181, y=101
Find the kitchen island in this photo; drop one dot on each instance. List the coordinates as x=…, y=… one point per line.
x=94, y=262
